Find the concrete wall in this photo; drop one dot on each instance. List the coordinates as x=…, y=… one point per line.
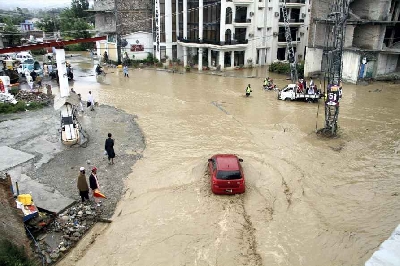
x=369, y=36
x=313, y=61
x=103, y=5
x=371, y=9
x=105, y=22
x=387, y=63
x=351, y=66
x=11, y=219
x=132, y=16
x=317, y=32
x=348, y=41
x=142, y=38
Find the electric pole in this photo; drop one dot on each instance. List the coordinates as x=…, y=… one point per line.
x=334, y=42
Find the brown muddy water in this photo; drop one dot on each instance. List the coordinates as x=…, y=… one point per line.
x=309, y=200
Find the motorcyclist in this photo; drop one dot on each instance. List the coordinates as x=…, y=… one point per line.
x=248, y=90
x=99, y=69
x=265, y=83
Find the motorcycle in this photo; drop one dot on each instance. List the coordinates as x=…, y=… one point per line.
x=270, y=87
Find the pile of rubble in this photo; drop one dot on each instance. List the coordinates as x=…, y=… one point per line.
x=65, y=231
x=7, y=98
x=37, y=97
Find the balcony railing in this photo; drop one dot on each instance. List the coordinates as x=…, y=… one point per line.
x=207, y=41
x=240, y=20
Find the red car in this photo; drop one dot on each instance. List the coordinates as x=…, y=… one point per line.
x=226, y=174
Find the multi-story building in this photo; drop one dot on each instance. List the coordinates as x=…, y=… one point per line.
x=372, y=40
x=118, y=19
x=228, y=33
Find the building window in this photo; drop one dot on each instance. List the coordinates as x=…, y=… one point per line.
x=241, y=14
x=228, y=36
x=162, y=20
x=173, y=20
x=228, y=19
x=163, y=52
x=281, y=54
x=180, y=15
x=240, y=35
x=193, y=20
x=174, y=52
x=211, y=22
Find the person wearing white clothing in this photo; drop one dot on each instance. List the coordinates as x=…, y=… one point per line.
x=90, y=101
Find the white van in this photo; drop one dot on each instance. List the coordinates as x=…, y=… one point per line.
x=21, y=57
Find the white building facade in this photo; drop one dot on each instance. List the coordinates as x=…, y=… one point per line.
x=228, y=33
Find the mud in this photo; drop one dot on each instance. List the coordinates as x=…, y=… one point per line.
x=309, y=200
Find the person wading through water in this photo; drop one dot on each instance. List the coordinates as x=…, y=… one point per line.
x=248, y=90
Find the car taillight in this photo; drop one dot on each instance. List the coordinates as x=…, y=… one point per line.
x=239, y=183
x=214, y=182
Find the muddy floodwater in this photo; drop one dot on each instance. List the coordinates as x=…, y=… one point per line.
x=308, y=200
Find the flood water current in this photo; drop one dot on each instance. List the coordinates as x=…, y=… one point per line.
x=309, y=200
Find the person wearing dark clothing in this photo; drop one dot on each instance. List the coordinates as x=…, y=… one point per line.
x=109, y=147
x=82, y=185
x=94, y=184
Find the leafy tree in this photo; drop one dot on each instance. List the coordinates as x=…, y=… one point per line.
x=11, y=33
x=48, y=24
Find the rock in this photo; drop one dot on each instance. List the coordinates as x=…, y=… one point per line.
x=42, y=237
x=48, y=259
x=63, y=249
x=88, y=162
x=76, y=234
x=74, y=238
x=54, y=255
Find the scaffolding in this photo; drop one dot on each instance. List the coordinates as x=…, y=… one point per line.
x=334, y=42
x=289, y=45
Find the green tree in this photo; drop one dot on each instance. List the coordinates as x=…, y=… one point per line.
x=79, y=8
x=48, y=24
x=11, y=33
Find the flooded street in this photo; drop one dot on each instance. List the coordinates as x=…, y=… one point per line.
x=308, y=200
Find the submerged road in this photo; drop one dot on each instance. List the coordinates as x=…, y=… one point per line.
x=309, y=200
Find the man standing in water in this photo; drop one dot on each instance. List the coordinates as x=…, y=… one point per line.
x=248, y=90
x=90, y=101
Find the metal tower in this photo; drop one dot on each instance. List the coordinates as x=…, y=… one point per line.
x=290, y=50
x=334, y=42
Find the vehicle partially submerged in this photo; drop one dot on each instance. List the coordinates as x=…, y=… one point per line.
x=290, y=93
x=226, y=174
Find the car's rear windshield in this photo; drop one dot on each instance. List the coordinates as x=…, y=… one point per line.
x=228, y=175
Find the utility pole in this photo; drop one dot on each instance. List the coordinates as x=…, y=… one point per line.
x=334, y=42
x=289, y=45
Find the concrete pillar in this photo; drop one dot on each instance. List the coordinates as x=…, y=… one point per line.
x=185, y=56
x=168, y=28
x=62, y=72
x=184, y=19
x=200, y=64
x=222, y=22
x=221, y=59
x=200, y=20
x=209, y=57
x=232, y=59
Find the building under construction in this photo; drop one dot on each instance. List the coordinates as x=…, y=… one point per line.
x=372, y=40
